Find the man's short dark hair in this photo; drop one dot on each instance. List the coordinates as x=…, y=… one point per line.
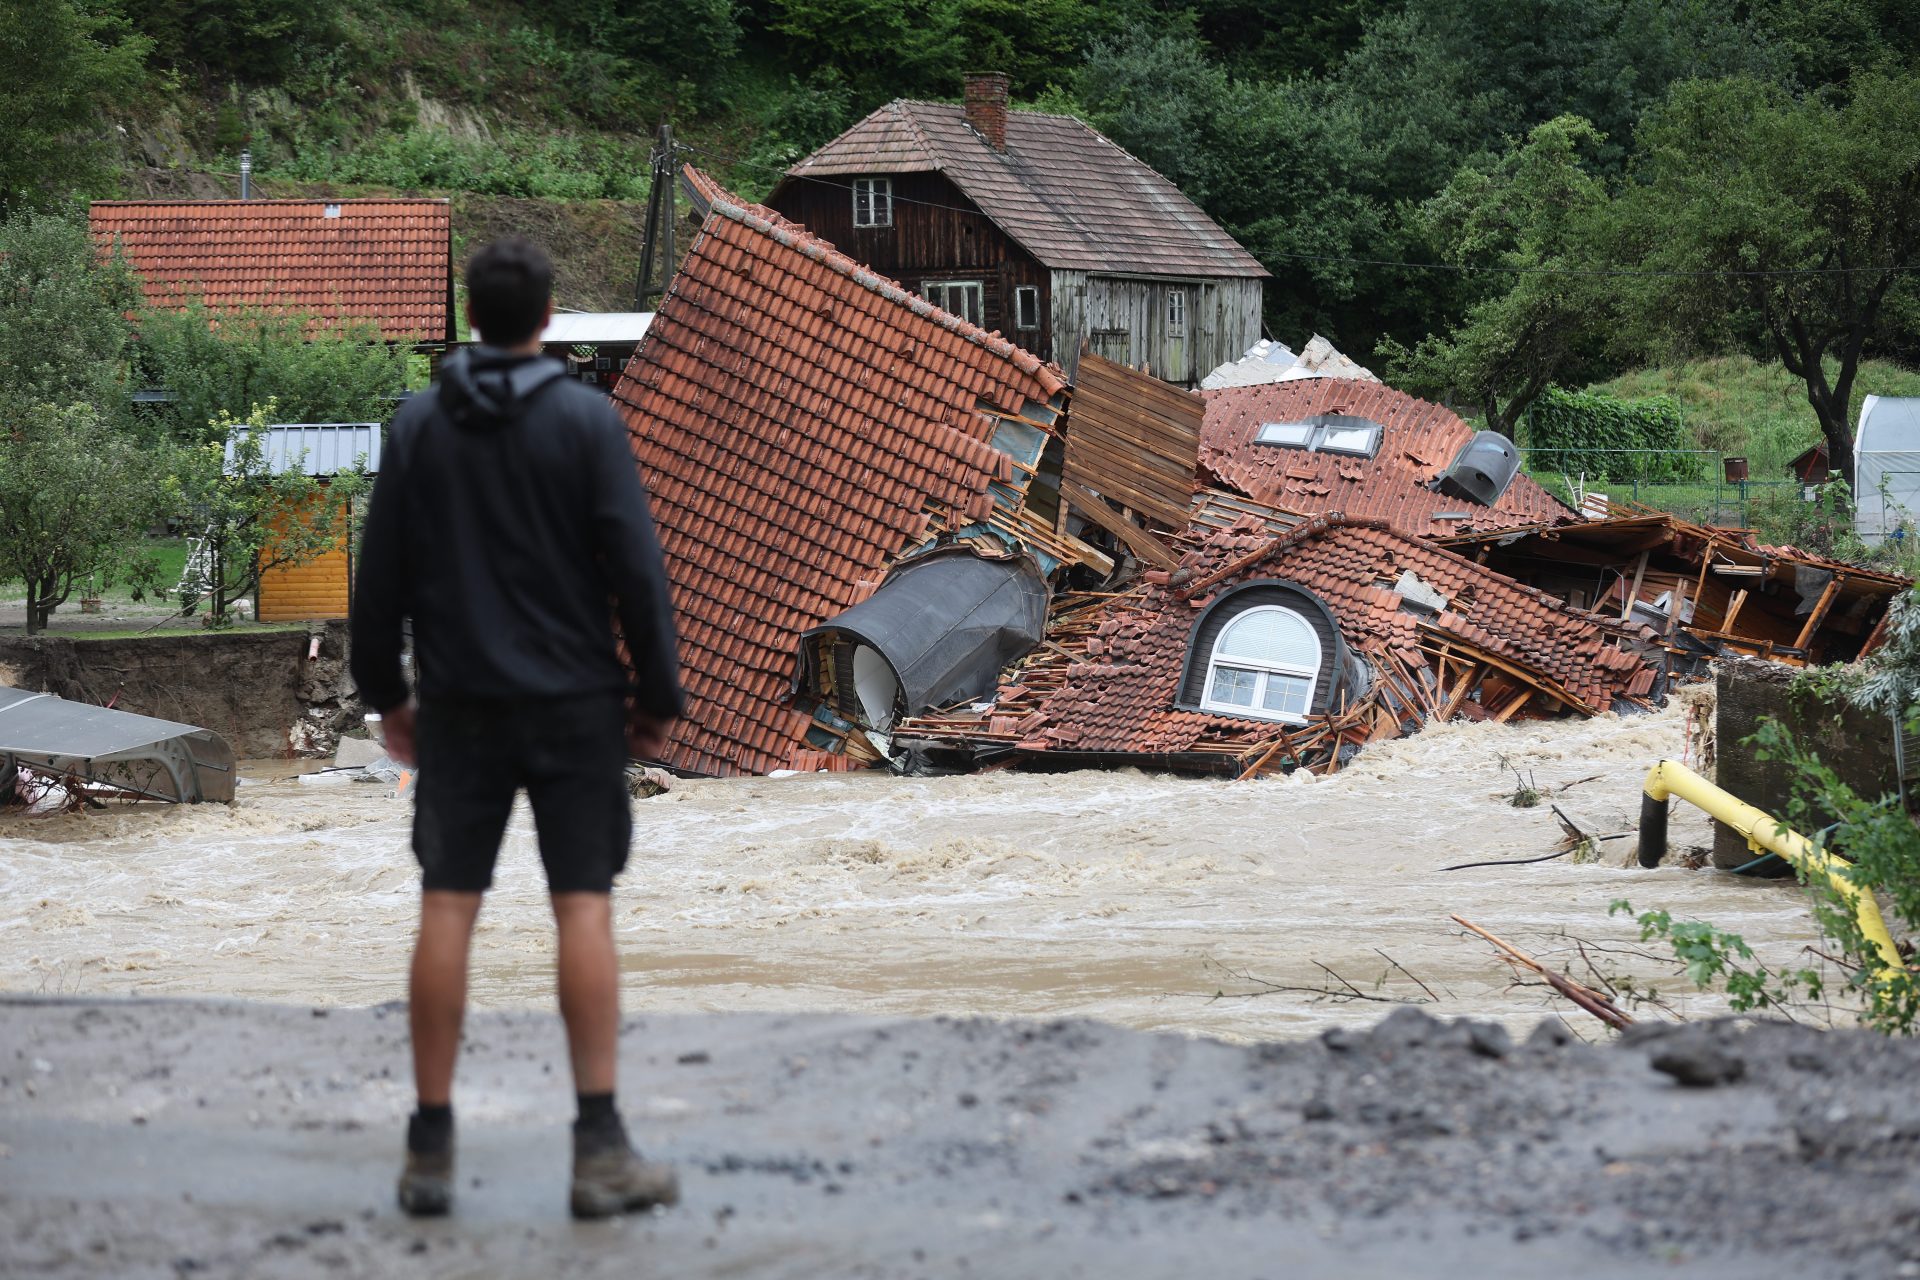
x=508, y=286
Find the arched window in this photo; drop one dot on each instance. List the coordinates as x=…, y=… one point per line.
x=1263, y=664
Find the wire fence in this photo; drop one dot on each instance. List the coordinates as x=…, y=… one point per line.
x=1707, y=486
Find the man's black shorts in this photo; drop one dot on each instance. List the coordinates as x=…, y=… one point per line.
x=570, y=754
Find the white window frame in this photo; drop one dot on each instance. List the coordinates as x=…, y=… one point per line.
x=873, y=202
x=1022, y=296
x=1176, y=313
x=972, y=298
x=1313, y=436
x=1262, y=672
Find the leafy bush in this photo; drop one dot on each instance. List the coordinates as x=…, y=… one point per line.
x=1610, y=439
x=222, y=364
x=516, y=163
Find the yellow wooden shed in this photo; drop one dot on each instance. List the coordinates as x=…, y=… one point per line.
x=322, y=587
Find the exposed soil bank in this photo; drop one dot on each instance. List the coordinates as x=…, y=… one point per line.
x=258, y=689
x=222, y=1139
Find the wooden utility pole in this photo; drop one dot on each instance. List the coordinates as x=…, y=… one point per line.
x=658, y=245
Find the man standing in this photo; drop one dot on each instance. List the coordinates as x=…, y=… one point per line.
x=509, y=523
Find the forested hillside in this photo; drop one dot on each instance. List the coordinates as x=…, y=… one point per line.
x=1462, y=192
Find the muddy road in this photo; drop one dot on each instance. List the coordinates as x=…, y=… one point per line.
x=167, y=1139
x=1153, y=902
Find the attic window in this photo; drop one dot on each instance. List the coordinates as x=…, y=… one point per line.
x=1026, y=307
x=1324, y=433
x=331, y=211
x=1264, y=664
x=873, y=202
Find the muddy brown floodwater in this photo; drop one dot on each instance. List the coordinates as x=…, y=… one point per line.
x=1115, y=895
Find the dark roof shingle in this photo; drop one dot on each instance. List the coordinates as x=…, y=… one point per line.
x=387, y=261
x=1063, y=191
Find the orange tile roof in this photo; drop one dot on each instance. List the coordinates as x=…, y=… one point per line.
x=1119, y=689
x=1419, y=440
x=388, y=261
x=1065, y=192
x=800, y=422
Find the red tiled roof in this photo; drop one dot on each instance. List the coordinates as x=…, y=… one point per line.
x=1118, y=693
x=1419, y=440
x=1066, y=193
x=388, y=261
x=800, y=421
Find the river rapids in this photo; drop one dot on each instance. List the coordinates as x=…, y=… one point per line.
x=1247, y=910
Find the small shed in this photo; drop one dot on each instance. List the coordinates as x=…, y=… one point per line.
x=595, y=345
x=1812, y=466
x=1886, y=466
x=321, y=587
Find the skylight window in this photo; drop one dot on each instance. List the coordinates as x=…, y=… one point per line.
x=1324, y=433
x=1288, y=435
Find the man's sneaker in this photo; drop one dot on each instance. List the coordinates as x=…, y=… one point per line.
x=426, y=1183
x=609, y=1177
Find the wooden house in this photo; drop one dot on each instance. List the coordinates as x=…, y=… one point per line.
x=1035, y=226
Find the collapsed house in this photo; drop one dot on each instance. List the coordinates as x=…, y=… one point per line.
x=1273, y=649
x=895, y=538
x=805, y=426
x=1699, y=590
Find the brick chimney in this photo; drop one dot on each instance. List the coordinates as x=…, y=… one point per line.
x=987, y=106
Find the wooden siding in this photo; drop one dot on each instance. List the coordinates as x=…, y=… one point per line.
x=1124, y=318
x=1134, y=439
x=937, y=234
x=318, y=589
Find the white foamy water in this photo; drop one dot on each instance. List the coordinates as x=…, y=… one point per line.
x=1119, y=895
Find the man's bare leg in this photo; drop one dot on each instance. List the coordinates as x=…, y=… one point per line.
x=436, y=1008
x=437, y=1002
x=608, y=1177
x=589, y=973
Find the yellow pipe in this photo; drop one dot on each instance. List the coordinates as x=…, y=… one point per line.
x=1762, y=831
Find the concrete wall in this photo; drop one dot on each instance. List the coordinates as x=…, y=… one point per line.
x=259, y=690
x=1858, y=745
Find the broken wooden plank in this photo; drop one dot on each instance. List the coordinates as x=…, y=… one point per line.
x=1137, y=540
x=1819, y=614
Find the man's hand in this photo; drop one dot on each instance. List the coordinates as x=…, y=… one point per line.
x=647, y=736
x=396, y=729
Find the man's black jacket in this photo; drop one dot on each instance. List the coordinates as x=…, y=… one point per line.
x=508, y=521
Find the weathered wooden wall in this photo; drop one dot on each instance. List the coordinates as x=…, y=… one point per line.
x=937, y=234
x=1124, y=318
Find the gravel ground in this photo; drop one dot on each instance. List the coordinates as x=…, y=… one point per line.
x=191, y=1138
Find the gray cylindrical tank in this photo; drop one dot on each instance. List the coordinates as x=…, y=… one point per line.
x=1482, y=470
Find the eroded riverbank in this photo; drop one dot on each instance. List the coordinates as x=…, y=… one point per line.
x=1121, y=896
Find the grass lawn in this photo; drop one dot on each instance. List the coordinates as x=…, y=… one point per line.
x=1757, y=411
x=170, y=554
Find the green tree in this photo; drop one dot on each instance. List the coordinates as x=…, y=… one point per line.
x=1530, y=222
x=63, y=319
x=226, y=362
x=1787, y=226
x=76, y=494
x=253, y=515
x=64, y=66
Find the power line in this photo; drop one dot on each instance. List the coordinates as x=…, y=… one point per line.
x=1397, y=264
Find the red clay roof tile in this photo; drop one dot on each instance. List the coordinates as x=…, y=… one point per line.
x=387, y=261
x=780, y=486
x=1390, y=486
